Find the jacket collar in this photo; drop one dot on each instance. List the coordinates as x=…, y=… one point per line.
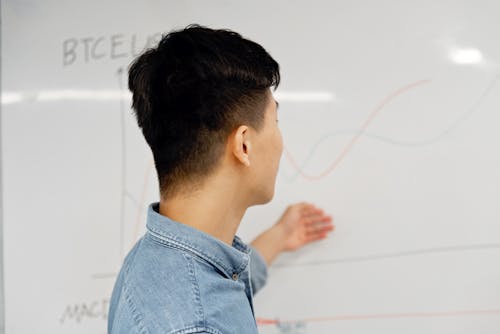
x=229, y=260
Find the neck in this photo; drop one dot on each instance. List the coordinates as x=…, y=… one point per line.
x=215, y=208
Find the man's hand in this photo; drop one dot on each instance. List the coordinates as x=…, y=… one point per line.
x=303, y=223
x=299, y=225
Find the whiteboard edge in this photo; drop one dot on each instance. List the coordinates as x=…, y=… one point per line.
x=2, y=295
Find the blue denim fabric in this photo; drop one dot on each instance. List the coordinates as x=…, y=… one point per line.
x=177, y=279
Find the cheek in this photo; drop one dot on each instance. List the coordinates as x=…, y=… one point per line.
x=275, y=151
x=279, y=142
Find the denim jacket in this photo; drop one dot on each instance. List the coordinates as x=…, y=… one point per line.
x=177, y=279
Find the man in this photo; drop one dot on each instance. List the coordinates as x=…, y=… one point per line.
x=203, y=101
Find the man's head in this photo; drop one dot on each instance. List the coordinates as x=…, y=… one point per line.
x=202, y=96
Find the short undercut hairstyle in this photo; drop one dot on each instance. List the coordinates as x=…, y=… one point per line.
x=191, y=91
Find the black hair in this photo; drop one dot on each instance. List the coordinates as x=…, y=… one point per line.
x=191, y=91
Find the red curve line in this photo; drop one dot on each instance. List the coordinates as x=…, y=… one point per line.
x=265, y=322
x=142, y=201
x=354, y=139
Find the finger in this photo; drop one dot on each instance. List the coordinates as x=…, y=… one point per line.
x=311, y=209
x=317, y=219
x=306, y=208
x=314, y=213
x=319, y=227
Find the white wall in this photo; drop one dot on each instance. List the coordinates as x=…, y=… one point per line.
x=389, y=112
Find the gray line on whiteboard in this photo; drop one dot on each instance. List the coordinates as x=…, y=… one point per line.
x=123, y=164
x=104, y=275
x=132, y=199
x=375, y=257
x=2, y=281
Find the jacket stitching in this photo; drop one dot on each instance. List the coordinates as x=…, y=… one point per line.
x=196, y=289
x=135, y=314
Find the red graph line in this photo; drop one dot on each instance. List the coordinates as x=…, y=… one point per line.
x=266, y=321
x=142, y=201
x=356, y=137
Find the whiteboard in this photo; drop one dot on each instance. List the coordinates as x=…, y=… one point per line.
x=389, y=112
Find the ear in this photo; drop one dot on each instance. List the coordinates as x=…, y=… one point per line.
x=241, y=145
